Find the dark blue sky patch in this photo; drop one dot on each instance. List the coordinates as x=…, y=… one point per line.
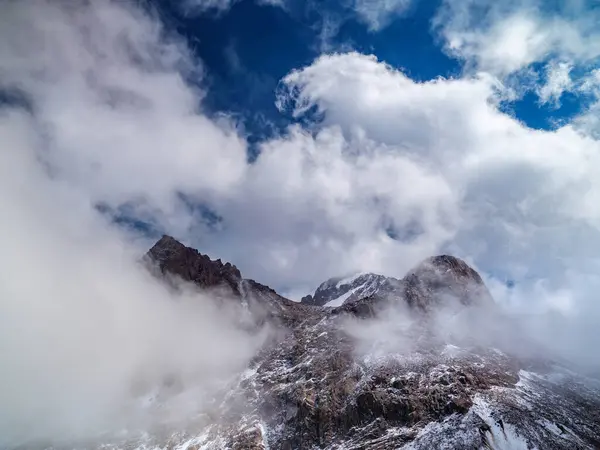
x=15, y=98
x=406, y=43
x=125, y=217
x=544, y=116
x=248, y=49
x=203, y=213
x=128, y=215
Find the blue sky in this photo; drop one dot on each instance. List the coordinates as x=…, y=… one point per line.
x=249, y=47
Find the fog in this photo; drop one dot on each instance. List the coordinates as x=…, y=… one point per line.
x=487, y=323
x=87, y=335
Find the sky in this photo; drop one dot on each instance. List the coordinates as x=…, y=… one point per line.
x=303, y=140
x=297, y=140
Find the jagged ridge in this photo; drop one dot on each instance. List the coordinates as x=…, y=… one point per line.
x=420, y=288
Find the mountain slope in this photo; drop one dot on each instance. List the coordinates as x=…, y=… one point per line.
x=336, y=291
x=400, y=364
x=421, y=288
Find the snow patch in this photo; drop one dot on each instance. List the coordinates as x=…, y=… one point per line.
x=501, y=436
x=263, y=433
x=339, y=301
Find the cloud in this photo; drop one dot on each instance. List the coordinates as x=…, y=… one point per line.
x=85, y=332
x=110, y=91
x=558, y=81
x=83, y=323
x=544, y=48
x=110, y=112
x=505, y=37
x=522, y=199
x=377, y=14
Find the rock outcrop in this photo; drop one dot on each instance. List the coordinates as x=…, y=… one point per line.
x=433, y=283
x=173, y=258
x=337, y=291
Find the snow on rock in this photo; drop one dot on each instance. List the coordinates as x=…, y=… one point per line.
x=498, y=434
x=337, y=291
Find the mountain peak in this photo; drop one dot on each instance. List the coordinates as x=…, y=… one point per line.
x=459, y=268
x=440, y=277
x=337, y=291
x=423, y=287
x=174, y=258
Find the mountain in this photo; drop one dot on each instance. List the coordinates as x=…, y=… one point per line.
x=337, y=291
x=427, y=361
x=420, y=288
x=175, y=262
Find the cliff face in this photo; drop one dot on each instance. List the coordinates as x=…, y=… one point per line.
x=175, y=259
x=321, y=384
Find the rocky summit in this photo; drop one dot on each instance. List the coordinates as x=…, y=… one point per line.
x=372, y=362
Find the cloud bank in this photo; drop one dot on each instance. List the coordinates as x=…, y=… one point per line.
x=86, y=334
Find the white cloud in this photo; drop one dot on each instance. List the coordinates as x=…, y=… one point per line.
x=558, y=81
x=377, y=14
x=525, y=198
x=529, y=44
x=504, y=37
x=109, y=94
x=81, y=322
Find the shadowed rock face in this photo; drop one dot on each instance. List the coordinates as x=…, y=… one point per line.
x=174, y=258
x=444, y=277
x=314, y=387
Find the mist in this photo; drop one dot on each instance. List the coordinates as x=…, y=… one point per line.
x=533, y=336
x=86, y=333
